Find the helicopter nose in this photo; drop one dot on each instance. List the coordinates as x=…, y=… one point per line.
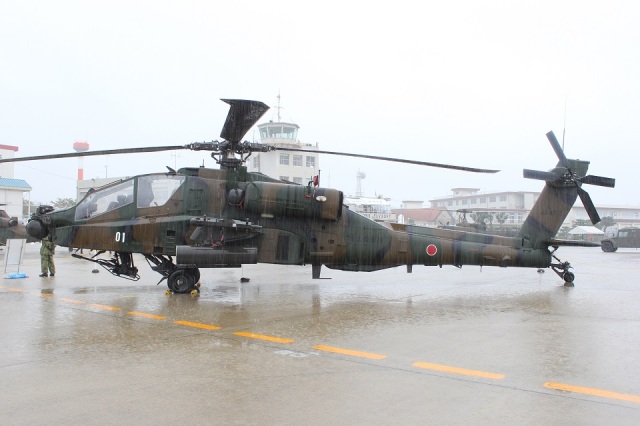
x=37, y=229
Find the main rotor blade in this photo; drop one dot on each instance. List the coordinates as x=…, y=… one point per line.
x=558, y=149
x=241, y=117
x=588, y=206
x=537, y=174
x=599, y=180
x=396, y=160
x=91, y=153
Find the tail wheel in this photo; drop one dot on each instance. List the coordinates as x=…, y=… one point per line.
x=562, y=269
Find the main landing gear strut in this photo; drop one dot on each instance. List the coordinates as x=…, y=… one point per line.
x=562, y=269
x=179, y=280
x=120, y=264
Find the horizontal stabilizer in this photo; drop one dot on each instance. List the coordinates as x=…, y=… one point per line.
x=571, y=243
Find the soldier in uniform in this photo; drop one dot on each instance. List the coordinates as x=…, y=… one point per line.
x=47, y=251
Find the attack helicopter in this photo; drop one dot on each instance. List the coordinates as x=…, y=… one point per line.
x=11, y=228
x=196, y=217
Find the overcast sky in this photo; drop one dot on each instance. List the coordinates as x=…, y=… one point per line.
x=464, y=82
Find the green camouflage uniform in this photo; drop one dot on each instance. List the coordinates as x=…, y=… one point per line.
x=47, y=251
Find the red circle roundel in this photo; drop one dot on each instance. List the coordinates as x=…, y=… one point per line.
x=432, y=250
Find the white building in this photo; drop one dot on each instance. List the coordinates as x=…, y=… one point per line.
x=12, y=195
x=296, y=167
x=11, y=190
x=518, y=204
x=624, y=216
x=377, y=209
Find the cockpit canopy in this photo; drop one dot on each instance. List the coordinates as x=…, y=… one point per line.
x=146, y=191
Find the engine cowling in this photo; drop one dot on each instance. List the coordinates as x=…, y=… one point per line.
x=282, y=200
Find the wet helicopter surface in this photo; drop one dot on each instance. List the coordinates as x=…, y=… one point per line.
x=199, y=218
x=471, y=345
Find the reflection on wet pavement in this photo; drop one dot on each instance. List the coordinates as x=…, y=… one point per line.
x=442, y=331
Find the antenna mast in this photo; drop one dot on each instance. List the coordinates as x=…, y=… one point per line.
x=564, y=125
x=278, y=107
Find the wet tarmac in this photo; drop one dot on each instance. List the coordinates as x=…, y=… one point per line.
x=438, y=346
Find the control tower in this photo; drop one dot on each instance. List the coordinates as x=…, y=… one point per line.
x=296, y=167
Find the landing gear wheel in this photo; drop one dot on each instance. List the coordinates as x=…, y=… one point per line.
x=195, y=272
x=568, y=278
x=562, y=269
x=181, y=281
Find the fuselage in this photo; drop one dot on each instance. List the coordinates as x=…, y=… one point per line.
x=276, y=222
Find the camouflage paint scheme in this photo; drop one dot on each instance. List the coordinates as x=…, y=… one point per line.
x=227, y=217
x=224, y=218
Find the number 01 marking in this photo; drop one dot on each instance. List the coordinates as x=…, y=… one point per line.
x=120, y=237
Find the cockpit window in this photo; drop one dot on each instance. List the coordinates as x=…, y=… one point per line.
x=155, y=190
x=105, y=200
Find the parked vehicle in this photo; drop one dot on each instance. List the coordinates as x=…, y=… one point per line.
x=626, y=238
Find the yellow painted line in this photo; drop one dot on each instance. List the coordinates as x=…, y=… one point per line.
x=198, y=325
x=105, y=307
x=18, y=290
x=458, y=370
x=263, y=337
x=66, y=299
x=593, y=392
x=47, y=295
x=349, y=352
x=143, y=314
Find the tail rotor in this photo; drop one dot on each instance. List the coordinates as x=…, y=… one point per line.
x=571, y=172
